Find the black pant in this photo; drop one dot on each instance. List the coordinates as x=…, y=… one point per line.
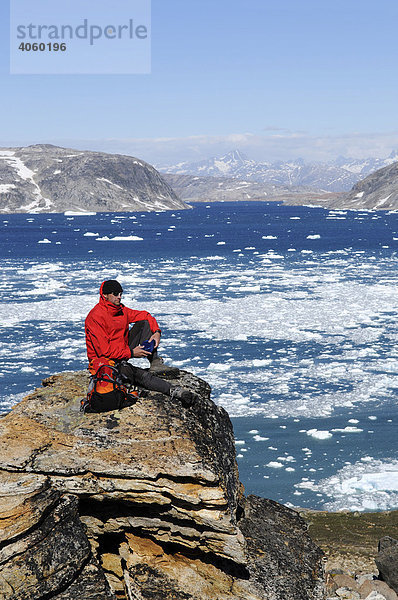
x=140, y=332
x=141, y=377
x=144, y=379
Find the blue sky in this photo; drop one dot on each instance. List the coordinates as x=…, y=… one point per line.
x=275, y=78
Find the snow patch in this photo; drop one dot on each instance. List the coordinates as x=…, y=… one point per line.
x=6, y=187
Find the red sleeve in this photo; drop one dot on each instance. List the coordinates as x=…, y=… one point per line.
x=98, y=344
x=142, y=315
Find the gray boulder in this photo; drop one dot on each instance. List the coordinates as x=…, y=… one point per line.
x=387, y=561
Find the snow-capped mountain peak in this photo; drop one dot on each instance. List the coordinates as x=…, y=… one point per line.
x=337, y=176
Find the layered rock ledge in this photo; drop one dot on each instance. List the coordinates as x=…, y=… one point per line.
x=140, y=503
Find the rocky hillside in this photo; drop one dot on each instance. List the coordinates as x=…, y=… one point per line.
x=45, y=178
x=377, y=191
x=193, y=188
x=143, y=503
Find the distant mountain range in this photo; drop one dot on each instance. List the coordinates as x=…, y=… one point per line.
x=338, y=176
x=46, y=178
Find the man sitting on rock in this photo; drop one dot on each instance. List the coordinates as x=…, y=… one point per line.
x=110, y=341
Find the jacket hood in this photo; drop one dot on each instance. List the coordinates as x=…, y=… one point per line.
x=108, y=305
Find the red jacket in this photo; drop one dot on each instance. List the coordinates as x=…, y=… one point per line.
x=107, y=329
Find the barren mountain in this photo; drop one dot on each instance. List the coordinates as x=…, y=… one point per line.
x=377, y=191
x=46, y=178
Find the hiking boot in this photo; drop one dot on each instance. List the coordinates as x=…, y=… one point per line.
x=157, y=364
x=186, y=397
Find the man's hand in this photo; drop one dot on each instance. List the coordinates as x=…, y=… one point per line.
x=139, y=352
x=156, y=337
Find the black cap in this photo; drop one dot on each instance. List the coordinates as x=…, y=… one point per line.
x=111, y=287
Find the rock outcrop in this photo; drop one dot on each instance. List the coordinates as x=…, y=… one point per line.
x=46, y=178
x=387, y=561
x=140, y=503
x=377, y=191
x=44, y=550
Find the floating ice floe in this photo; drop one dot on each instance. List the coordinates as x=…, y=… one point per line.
x=364, y=485
x=120, y=238
x=313, y=237
x=261, y=362
x=245, y=288
x=45, y=241
x=78, y=213
x=348, y=430
x=319, y=434
x=219, y=367
x=215, y=257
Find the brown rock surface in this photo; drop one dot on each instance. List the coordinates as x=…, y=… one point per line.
x=157, y=489
x=34, y=518
x=378, y=586
x=339, y=580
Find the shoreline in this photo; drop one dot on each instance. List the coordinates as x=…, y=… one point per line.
x=324, y=201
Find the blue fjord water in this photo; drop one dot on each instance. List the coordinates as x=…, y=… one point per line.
x=288, y=312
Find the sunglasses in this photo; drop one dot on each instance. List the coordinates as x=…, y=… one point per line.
x=117, y=293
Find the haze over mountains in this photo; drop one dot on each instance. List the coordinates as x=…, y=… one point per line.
x=337, y=176
x=46, y=178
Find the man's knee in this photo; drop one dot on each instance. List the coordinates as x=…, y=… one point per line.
x=139, y=332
